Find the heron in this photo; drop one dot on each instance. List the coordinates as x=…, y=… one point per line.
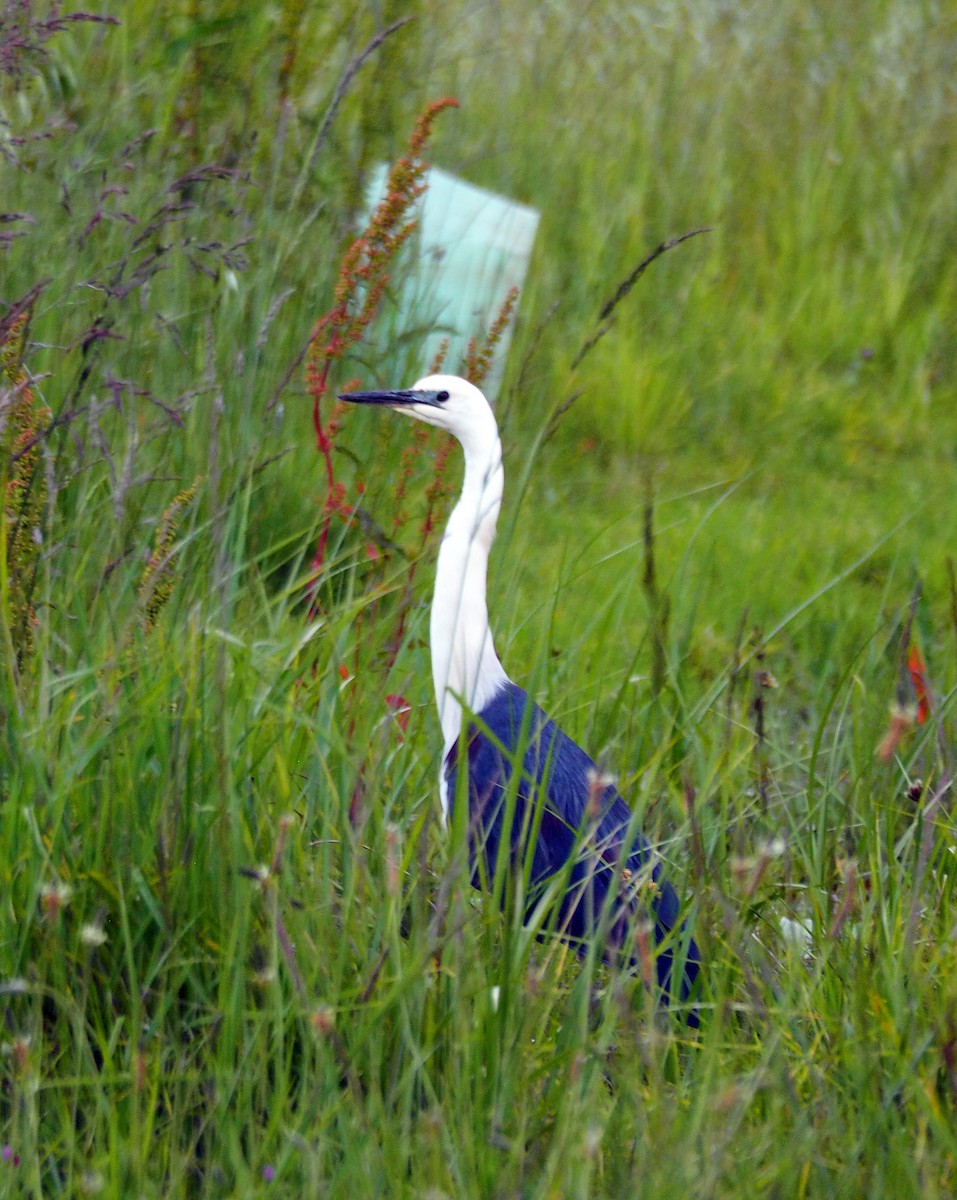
x=533, y=793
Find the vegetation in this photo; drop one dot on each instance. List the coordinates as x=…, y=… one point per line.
x=238, y=952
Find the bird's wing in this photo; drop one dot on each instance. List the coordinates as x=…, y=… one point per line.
x=518, y=759
x=567, y=818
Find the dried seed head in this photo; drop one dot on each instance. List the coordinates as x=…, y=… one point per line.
x=645, y=957
x=324, y=1020
x=598, y=784
x=18, y=1051
x=93, y=935
x=53, y=898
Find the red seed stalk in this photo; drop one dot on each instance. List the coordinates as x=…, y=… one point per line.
x=363, y=278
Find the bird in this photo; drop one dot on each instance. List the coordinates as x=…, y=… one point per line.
x=527, y=783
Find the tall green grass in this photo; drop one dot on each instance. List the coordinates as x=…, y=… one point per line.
x=238, y=952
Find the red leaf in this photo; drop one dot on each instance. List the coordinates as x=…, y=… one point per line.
x=918, y=678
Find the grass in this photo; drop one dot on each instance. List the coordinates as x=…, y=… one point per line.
x=238, y=955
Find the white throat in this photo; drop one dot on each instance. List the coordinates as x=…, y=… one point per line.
x=465, y=667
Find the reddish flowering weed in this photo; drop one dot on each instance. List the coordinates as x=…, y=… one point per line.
x=363, y=278
x=479, y=355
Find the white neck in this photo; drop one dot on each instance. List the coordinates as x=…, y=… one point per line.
x=465, y=667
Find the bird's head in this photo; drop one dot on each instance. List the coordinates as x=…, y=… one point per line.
x=450, y=403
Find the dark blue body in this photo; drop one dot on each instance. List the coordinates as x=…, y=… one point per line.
x=580, y=820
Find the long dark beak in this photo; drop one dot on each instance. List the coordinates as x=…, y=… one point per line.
x=398, y=399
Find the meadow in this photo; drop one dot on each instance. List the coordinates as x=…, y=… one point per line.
x=239, y=955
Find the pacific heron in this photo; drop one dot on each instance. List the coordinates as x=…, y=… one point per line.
x=527, y=781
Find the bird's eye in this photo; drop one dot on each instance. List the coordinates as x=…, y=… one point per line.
x=443, y=396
